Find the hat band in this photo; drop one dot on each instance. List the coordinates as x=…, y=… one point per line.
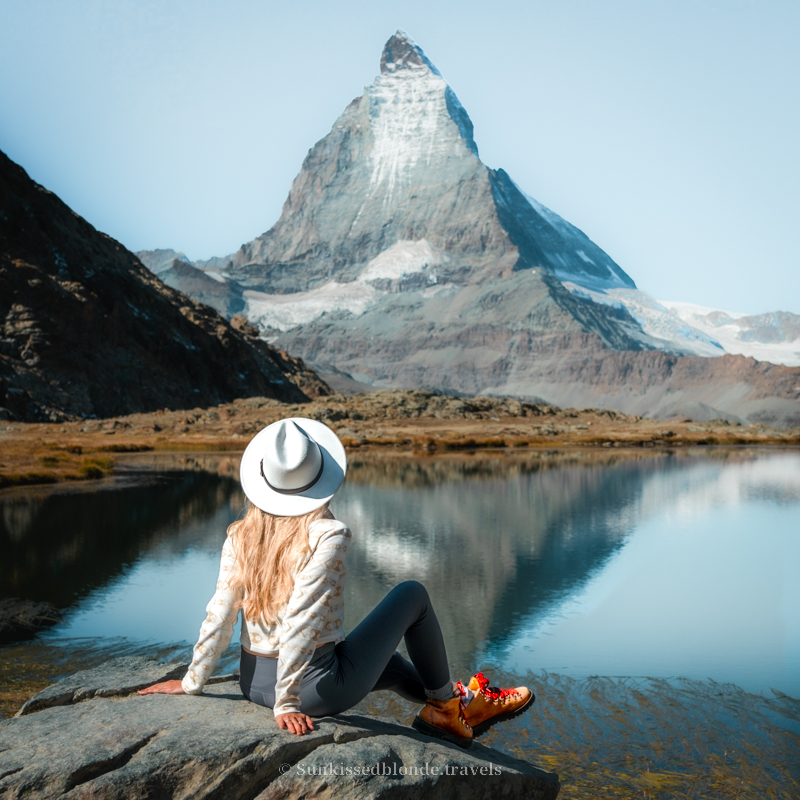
x=302, y=488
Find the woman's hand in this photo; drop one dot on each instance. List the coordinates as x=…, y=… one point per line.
x=295, y=722
x=167, y=687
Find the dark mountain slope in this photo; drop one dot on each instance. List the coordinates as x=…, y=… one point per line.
x=88, y=330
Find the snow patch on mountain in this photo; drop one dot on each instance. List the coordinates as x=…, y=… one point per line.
x=559, y=223
x=688, y=329
x=282, y=312
x=215, y=275
x=773, y=337
x=415, y=117
x=408, y=116
x=404, y=258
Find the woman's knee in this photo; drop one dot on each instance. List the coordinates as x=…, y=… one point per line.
x=412, y=590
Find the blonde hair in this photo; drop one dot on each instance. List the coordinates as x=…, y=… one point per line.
x=268, y=551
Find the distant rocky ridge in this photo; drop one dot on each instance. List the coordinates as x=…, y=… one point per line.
x=87, y=330
x=401, y=260
x=774, y=336
x=159, y=260
x=688, y=329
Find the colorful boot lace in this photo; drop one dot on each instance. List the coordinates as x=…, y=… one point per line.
x=491, y=705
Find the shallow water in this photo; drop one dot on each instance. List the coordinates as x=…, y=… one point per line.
x=658, y=565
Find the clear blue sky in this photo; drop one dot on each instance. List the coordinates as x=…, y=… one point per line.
x=667, y=131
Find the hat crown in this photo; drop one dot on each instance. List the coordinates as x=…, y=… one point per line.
x=292, y=459
x=293, y=466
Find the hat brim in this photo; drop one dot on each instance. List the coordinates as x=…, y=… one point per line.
x=334, y=467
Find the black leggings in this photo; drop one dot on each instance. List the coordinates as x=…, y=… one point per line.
x=340, y=675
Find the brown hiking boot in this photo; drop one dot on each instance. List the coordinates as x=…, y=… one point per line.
x=491, y=705
x=444, y=719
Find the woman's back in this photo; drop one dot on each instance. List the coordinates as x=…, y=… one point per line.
x=312, y=614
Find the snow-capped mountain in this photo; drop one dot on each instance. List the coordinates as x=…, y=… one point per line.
x=401, y=259
x=400, y=167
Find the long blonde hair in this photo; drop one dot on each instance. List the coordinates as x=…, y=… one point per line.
x=268, y=551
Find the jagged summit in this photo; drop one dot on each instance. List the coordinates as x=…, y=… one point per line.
x=401, y=52
x=401, y=166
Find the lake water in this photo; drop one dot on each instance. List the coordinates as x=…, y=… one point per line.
x=664, y=565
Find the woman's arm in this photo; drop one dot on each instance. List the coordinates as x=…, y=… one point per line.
x=217, y=628
x=317, y=592
x=215, y=632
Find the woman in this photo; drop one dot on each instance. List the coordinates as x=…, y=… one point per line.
x=283, y=566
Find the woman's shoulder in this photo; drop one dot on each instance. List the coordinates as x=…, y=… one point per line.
x=326, y=528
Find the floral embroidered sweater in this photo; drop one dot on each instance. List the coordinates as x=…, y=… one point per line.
x=313, y=615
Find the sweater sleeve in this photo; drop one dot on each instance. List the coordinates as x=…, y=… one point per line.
x=317, y=592
x=217, y=628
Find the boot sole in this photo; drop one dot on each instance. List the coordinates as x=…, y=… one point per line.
x=479, y=730
x=431, y=730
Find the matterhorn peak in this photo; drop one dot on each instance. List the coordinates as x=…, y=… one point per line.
x=401, y=52
x=399, y=179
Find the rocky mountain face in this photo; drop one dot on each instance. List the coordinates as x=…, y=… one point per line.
x=87, y=330
x=400, y=259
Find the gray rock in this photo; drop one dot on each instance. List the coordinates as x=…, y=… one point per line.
x=92, y=736
x=114, y=678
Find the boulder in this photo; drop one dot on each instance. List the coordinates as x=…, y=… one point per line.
x=91, y=735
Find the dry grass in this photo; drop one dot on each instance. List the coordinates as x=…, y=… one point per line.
x=27, y=461
x=402, y=420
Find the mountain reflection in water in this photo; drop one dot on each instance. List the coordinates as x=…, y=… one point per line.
x=503, y=541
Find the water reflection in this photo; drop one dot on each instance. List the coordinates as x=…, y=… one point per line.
x=533, y=559
x=60, y=546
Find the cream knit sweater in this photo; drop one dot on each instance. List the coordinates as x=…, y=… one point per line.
x=314, y=614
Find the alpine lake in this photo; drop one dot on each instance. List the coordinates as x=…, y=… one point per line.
x=650, y=599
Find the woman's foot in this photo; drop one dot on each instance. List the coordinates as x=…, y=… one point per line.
x=490, y=705
x=444, y=719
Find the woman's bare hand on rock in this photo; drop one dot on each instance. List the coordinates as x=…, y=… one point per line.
x=167, y=687
x=295, y=722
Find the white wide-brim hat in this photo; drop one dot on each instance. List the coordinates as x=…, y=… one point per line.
x=293, y=467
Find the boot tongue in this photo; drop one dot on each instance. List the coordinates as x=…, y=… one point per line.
x=466, y=692
x=478, y=682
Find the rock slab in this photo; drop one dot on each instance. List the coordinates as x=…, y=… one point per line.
x=92, y=736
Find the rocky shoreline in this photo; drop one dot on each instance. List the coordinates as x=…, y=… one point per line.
x=400, y=420
x=91, y=735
